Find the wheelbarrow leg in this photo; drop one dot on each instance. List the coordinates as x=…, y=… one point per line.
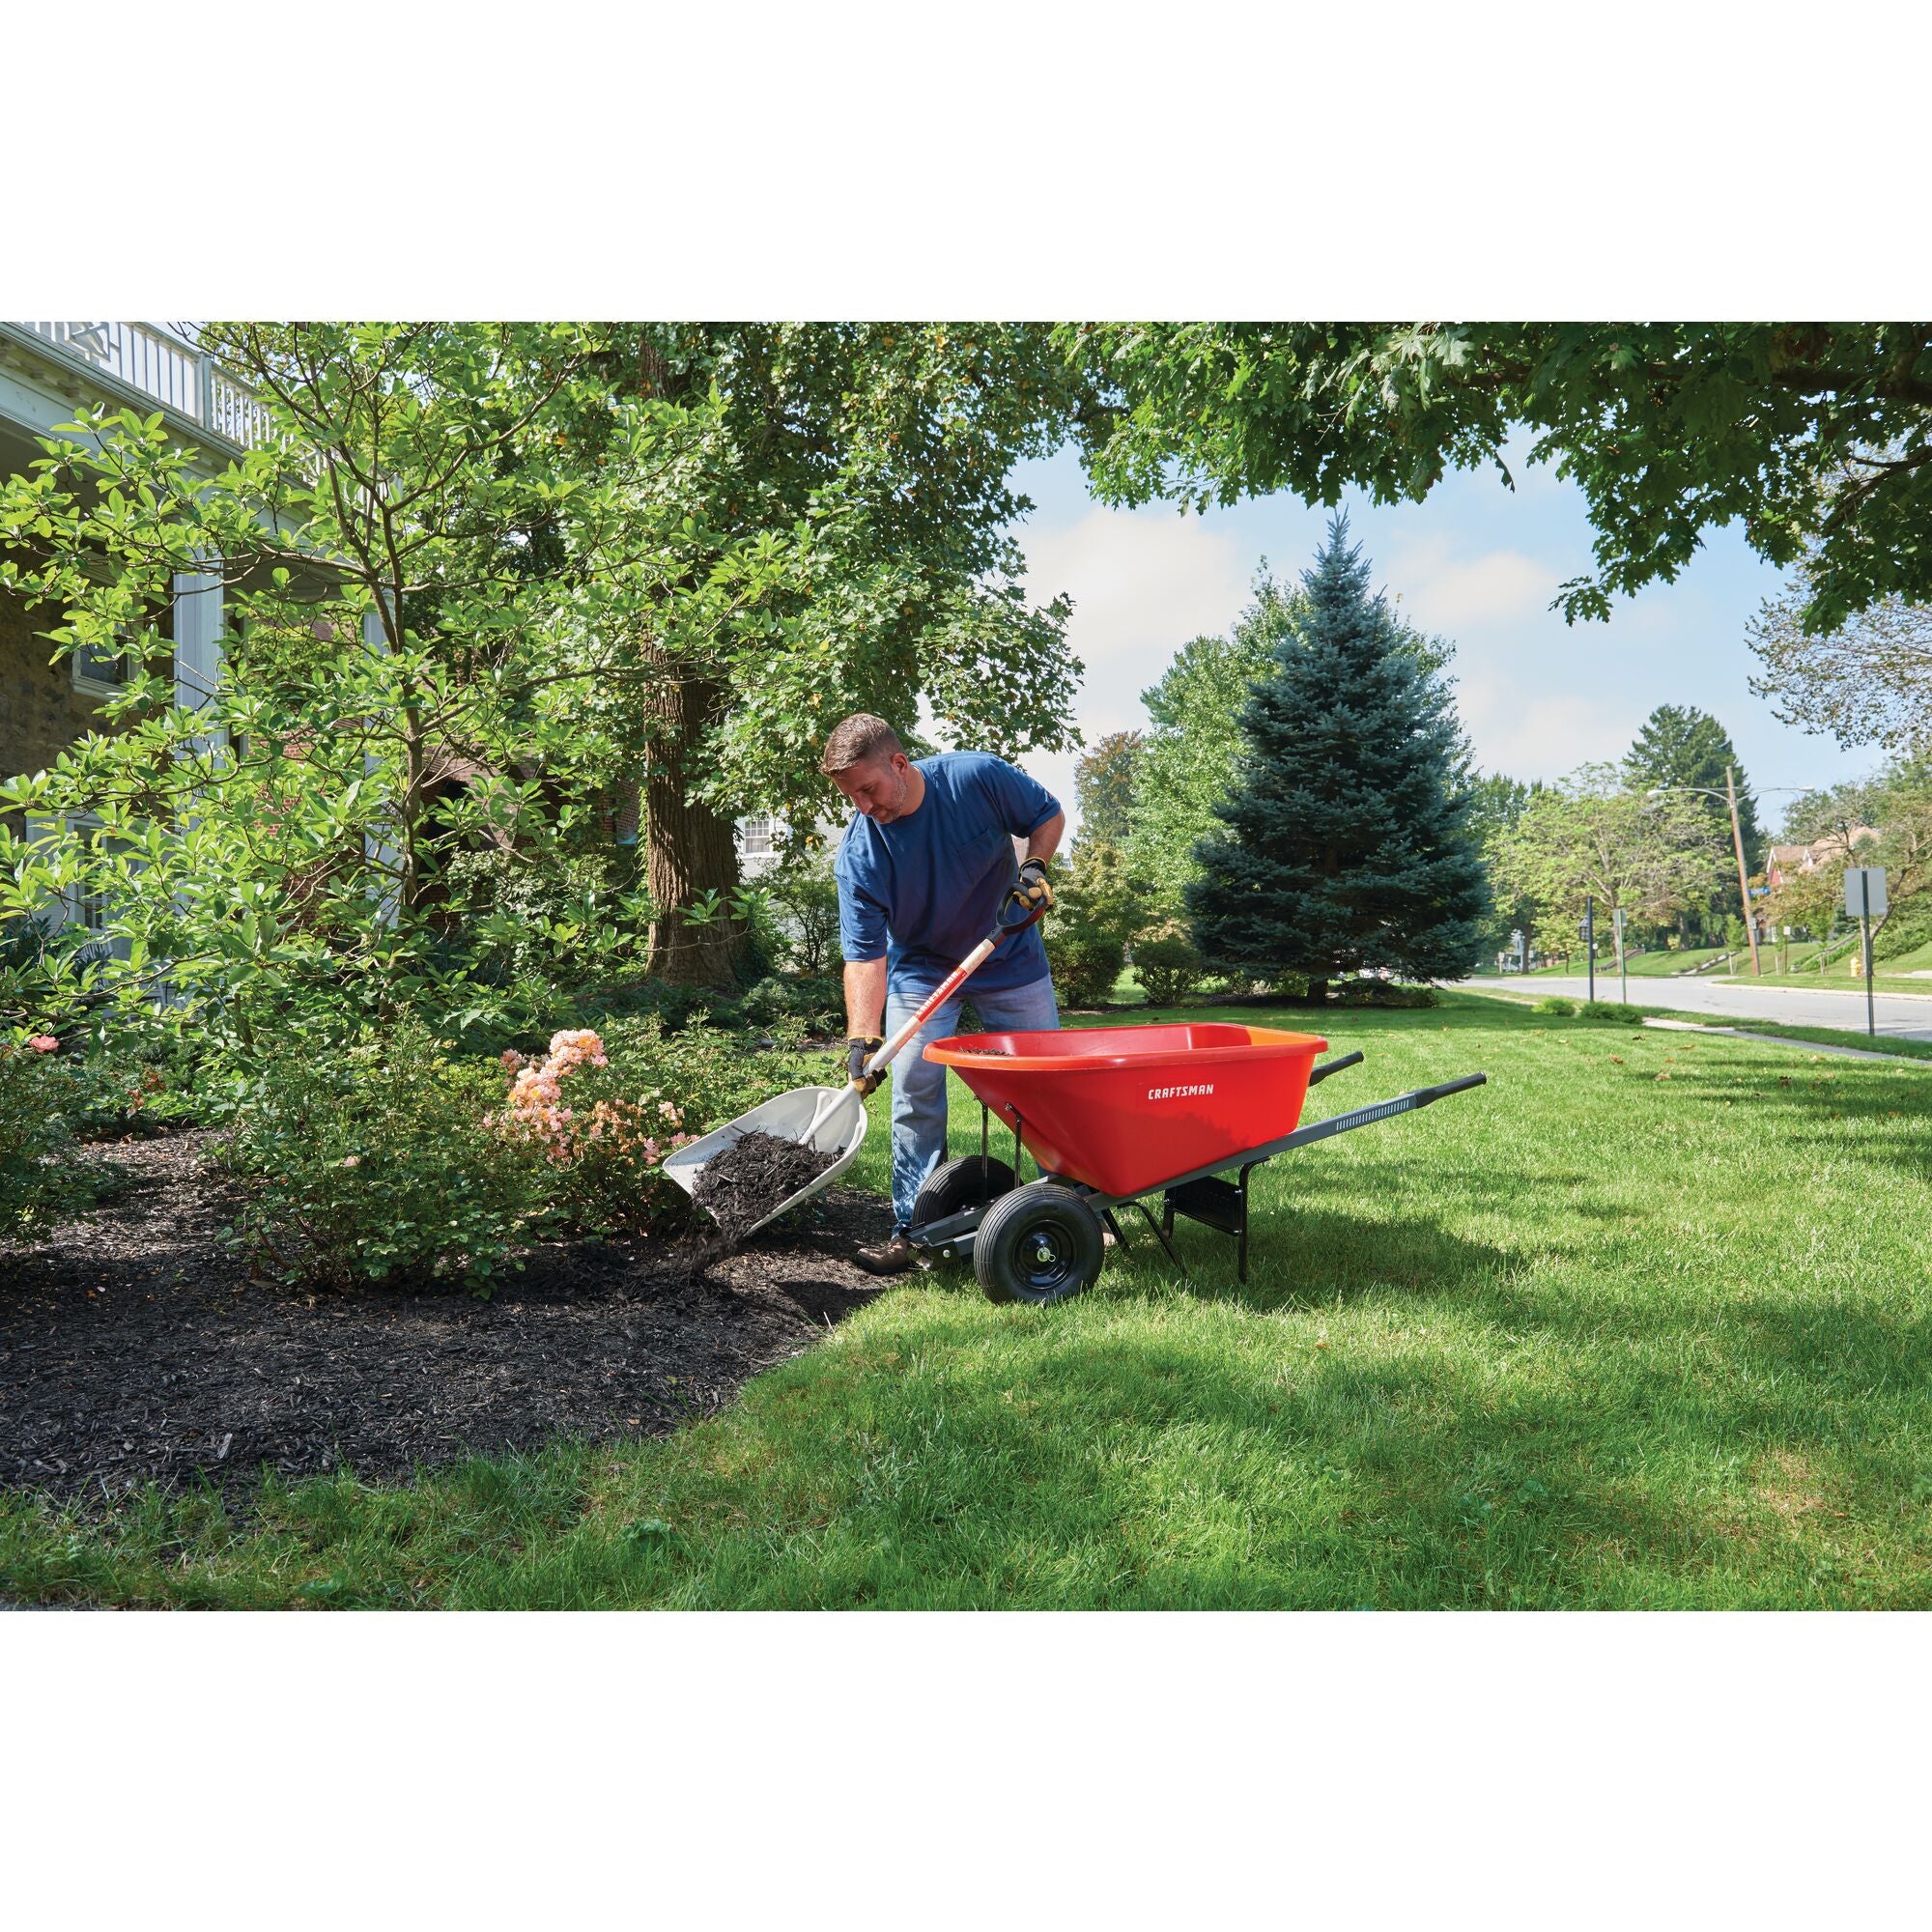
x=1241, y=1266
x=1161, y=1234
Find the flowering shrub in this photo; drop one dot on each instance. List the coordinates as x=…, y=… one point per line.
x=38, y=1179
x=601, y=1111
x=374, y=1162
x=603, y=1138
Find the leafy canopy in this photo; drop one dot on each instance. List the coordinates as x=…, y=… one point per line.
x=1816, y=437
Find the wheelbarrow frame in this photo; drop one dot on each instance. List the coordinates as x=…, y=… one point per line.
x=1198, y=1194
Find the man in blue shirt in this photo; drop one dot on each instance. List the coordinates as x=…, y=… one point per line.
x=923, y=872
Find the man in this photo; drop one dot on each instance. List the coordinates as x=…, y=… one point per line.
x=923, y=872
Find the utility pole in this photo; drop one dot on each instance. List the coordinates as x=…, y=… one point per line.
x=1590, y=937
x=1744, y=883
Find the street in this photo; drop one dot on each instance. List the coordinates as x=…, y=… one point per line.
x=1906, y=1017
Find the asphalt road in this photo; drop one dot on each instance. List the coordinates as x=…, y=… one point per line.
x=1908, y=1018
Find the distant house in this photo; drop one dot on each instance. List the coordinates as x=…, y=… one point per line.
x=1789, y=862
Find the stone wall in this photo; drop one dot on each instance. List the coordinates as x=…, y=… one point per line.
x=41, y=712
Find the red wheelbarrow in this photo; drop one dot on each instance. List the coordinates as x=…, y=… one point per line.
x=1111, y=1114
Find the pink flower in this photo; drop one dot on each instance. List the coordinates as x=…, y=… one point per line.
x=511, y=1058
x=43, y=1042
x=351, y=1160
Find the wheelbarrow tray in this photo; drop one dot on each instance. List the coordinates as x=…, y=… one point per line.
x=1122, y=1110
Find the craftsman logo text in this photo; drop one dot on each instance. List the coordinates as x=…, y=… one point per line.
x=1177, y=1093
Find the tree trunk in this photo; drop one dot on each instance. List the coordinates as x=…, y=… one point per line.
x=689, y=849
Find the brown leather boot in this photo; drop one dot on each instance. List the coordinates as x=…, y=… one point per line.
x=892, y=1256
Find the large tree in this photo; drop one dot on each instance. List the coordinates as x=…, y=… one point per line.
x=1597, y=837
x=859, y=473
x=1183, y=765
x=1816, y=437
x=1346, y=842
x=1103, y=781
x=1684, y=746
x=1869, y=682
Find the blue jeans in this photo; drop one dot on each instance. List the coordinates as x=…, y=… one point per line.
x=918, y=1084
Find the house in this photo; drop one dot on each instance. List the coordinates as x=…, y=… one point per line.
x=1788, y=861
x=50, y=371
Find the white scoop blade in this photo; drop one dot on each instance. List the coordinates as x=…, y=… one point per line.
x=841, y=1115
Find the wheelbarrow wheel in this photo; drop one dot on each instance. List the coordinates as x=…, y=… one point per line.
x=957, y=1185
x=1041, y=1244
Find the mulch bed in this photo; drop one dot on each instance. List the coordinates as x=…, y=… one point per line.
x=133, y=1347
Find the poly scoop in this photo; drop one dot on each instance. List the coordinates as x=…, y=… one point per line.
x=831, y=1118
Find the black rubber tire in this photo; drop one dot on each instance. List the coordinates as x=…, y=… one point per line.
x=1041, y=1244
x=957, y=1185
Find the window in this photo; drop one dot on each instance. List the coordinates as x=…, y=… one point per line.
x=108, y=672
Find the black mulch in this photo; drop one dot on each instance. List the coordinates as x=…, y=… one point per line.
x=755, y=1174
x=135, y=1346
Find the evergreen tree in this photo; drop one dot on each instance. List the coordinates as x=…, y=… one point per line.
x=1688, y=747
x=1348, y=843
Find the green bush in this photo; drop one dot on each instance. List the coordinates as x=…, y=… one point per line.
x=1610, y=1010
x=816, y=1002
x=374, y=1162
x=40, y=1180
x=131, y=1087
x=1086, y=961
x=1556, y=1004
x=1169, y=967
x=1908, y=928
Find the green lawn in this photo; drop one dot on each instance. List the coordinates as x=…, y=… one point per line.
x=1643, y=965
x=1647, y=1322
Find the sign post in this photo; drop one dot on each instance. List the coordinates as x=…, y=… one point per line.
x=1590, y=938
x=1623, y=959
x=1864, y=900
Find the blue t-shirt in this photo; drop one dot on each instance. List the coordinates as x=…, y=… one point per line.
x=924, y=890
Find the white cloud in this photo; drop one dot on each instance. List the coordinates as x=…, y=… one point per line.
x=1445, y=588
x=1540, y=736
x=1143, y=583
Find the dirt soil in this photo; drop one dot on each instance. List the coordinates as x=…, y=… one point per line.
x=755, y=1174
x=135, y=1346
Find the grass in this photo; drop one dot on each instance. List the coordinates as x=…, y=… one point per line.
x=1646, y=1323
x=1654, y=965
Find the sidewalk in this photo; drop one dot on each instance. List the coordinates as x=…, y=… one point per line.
x=1901, y=1015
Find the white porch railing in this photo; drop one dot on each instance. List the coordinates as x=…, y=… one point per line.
x=166, y=366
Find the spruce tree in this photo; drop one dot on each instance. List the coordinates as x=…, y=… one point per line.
x=1348, y=843
x=1689, y=747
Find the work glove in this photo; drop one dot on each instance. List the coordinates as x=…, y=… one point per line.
x=1032, y=892
x=856, y=1052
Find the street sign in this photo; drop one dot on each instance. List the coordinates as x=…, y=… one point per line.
x=1864, y=892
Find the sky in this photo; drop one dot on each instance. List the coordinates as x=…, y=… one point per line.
x=1478, y=564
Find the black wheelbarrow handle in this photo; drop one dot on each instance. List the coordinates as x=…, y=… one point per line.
x=1324, y=1069
x=1424, y=1095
